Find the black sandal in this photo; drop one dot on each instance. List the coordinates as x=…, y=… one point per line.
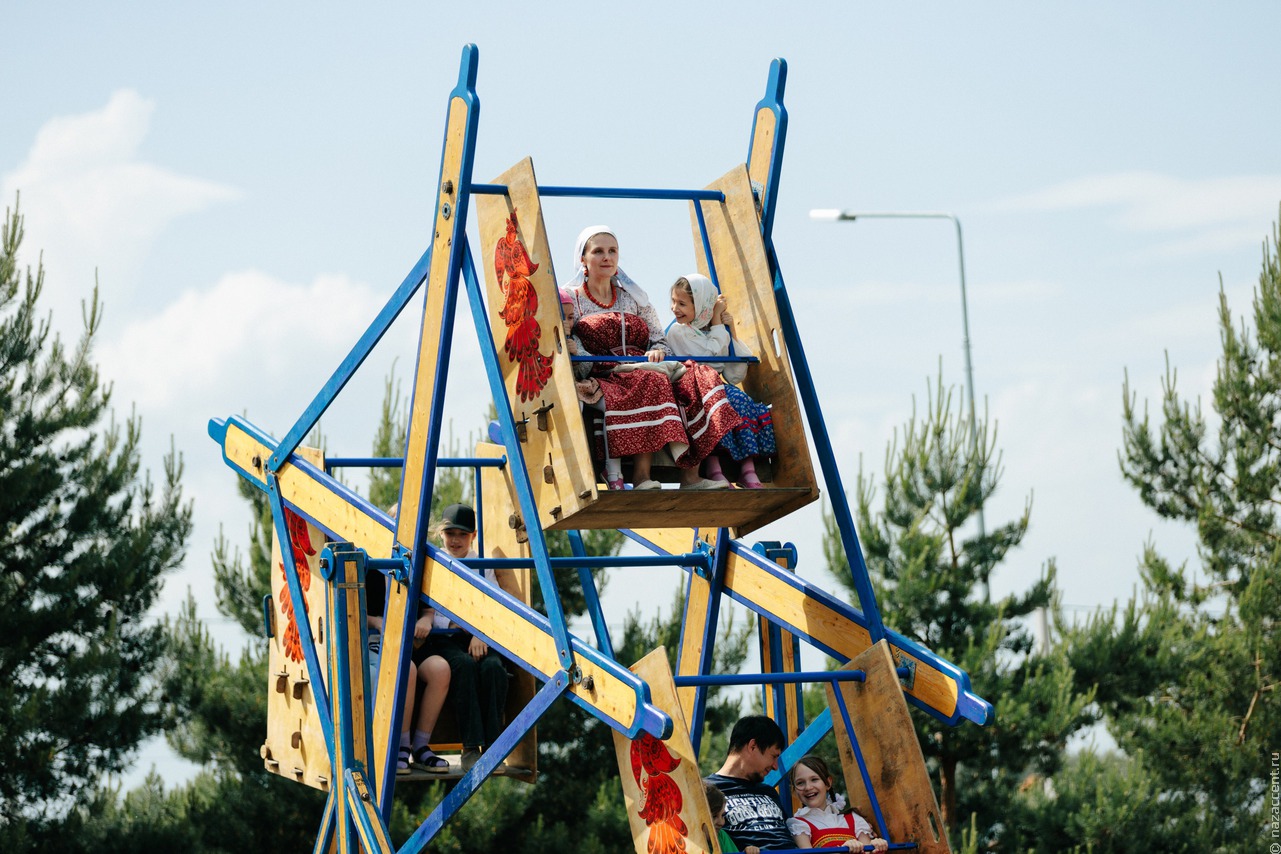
x=424, y=758
x=403, y=760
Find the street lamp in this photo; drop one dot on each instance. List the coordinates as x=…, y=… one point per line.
x=836, y=215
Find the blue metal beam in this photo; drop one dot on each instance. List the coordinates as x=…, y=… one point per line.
x=605, y=193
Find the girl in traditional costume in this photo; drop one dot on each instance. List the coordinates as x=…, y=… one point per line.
x=704, y=327
x=822, y=822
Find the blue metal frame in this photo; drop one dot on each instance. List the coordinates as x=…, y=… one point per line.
x=349, y=800
x=592, y=596
x=707, y=657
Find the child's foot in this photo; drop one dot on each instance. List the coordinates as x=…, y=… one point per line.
x=648, y=484
x=706, y=484
x=402, y=761
x=616, y=483
x=471, y=756
x=750, y=481
x=426, y=759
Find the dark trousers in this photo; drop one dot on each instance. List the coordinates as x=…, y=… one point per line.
x=477, y=691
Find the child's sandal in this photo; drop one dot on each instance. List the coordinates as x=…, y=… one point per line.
x=427, y=760
x=402, y=761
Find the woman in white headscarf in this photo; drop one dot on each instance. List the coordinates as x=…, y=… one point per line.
x=644, y=411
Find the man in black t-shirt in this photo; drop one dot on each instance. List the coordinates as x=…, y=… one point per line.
x=753, y=816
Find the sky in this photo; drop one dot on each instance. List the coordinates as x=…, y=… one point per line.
x=248, y=183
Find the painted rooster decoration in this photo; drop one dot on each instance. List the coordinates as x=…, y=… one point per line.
x=660, y=807
x=513, y=267
x=300, y=544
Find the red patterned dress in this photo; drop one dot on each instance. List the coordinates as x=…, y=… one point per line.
x=644, y=411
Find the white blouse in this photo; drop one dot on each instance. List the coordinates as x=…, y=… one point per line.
x=685, y=340
x=825, y=818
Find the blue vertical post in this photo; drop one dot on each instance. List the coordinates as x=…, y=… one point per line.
x=592, y=595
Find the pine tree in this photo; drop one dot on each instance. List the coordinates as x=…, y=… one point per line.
x=1187, y=671
x=930, y=567
x=85, y=539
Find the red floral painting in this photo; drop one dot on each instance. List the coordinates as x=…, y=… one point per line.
x=513, y=267
x=661, y=801
x=300, y=545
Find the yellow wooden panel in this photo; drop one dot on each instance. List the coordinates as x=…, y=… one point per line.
x=744, y=275
x=740, y=509
x=563, y=445
x=762, y=146
x=663, y=788
x=890, y=751
x=692, y=639
x=433, y=320
x=295, y=745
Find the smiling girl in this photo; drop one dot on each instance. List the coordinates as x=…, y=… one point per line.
x=821, y=824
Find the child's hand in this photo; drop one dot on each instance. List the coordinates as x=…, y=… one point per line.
x=422, y=627
x=718, y=309
x=751, y=849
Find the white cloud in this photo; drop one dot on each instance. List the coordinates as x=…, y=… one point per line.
x=1224, y=209
x=91, y=202
x=247, y=334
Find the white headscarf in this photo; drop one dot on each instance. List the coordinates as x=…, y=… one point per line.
x=704, y=294
x=621, y=279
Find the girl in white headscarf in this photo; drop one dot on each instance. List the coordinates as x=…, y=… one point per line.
x=681, y=407
x=704, y=327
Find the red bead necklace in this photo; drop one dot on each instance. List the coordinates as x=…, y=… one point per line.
x=613, y=295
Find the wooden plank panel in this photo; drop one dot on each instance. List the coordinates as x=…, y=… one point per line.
x=563, y=445
x=662, y=785
x=762, y=149
x=692, y=641
x=303, y=757
x=730, y=508
x=743, y=271
x=891, y=753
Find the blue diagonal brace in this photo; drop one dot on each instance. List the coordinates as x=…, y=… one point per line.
x=488, y=762
x=520, y=475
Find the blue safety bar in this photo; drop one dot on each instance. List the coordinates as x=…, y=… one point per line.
x=606, y=193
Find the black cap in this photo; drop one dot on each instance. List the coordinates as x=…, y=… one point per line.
x=460, y=517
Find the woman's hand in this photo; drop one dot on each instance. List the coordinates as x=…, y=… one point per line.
x=477, y=648
x=655, y=355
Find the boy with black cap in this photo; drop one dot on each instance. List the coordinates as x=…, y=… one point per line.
x=478, y=680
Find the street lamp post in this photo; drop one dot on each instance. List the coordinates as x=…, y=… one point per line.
x=836, y=215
